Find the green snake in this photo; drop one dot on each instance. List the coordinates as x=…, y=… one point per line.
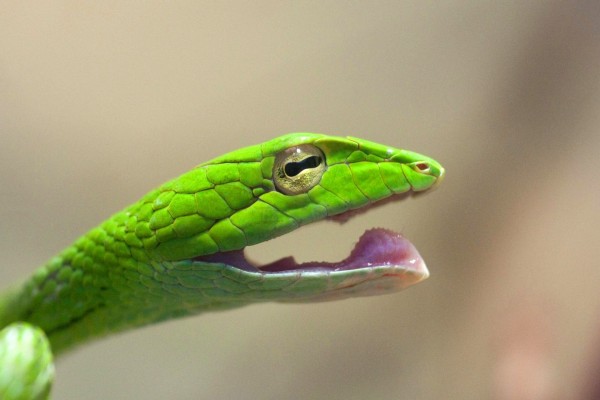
x=179, y=250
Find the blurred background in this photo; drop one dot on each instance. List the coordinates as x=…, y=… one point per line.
x=102, y=101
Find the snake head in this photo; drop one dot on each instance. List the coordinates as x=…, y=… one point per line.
x=255, y=194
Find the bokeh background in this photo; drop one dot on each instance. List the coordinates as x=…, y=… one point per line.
x=102, y=101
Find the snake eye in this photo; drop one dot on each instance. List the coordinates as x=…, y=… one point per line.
x=298, y=169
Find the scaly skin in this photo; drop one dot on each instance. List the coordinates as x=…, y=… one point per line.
x=179, y=250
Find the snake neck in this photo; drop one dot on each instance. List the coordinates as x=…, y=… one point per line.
x=100, y=285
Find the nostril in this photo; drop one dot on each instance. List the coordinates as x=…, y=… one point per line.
x=422, y=167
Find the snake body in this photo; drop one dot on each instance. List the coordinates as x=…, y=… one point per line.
x=179, y=250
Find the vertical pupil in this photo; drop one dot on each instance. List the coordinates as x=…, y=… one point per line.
x=294, y=168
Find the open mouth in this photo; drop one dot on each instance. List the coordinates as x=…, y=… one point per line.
x=376, y=248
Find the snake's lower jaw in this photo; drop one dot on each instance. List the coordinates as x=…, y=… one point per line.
x=382, y=262
x=397, y=277
x=374, y=282
x=393, y=264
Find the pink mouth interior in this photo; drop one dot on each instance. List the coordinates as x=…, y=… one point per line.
x=376, y=247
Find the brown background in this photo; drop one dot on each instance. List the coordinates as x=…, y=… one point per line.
x=100, y=102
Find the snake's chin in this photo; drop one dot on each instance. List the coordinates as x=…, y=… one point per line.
x=376, y=248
